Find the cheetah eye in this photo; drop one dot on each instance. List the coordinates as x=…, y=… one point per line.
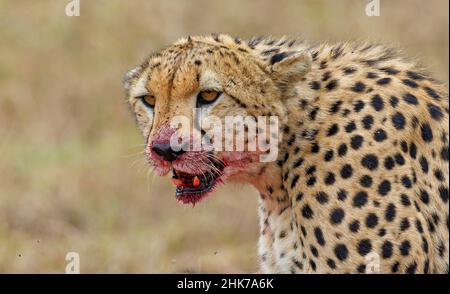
x=207, y=97
x=148, y=100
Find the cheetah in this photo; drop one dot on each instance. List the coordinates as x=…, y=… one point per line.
x=360, y=182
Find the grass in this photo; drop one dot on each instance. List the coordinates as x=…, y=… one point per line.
x=72, y=177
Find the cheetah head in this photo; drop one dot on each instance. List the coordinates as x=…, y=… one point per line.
x=216, y=76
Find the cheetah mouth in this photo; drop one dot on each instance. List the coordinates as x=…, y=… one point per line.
x=191, y=188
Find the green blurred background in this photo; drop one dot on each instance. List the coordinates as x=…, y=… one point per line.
x=72, y=174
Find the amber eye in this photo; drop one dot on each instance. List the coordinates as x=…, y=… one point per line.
x=148, y=100
x=207, y=97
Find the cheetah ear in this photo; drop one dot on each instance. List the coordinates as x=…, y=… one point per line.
x=286, y=67
x=130, y=76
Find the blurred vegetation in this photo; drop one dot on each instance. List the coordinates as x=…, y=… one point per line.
x=72, y=176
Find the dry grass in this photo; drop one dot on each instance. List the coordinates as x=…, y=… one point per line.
x=71, y=175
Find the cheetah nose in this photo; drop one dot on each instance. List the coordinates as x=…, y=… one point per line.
x=166, y=151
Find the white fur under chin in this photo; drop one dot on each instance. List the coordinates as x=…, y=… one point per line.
x=277, y=258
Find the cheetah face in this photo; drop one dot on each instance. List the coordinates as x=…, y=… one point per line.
x=175, y=89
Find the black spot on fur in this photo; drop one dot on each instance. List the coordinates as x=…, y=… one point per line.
x=367, y=122
x=405, y=200
x=398, y=120
x=342, y=150
x=360, y=199
x=424, y=197
x=313, y=113
x=366, y=181
x=424, y=164
x=390, y=71
x=395, y=266
x=294, y=181
x=435, y=111
x=404, y=146
x=386, y=249
x=405, y=247
x=399, y=159
x=329, y=155
x=298, y=162
x=332, y=85
x=319, y=236
x=384, y=81
x=411, y=269
x=349, y=70
x=370, y=161
x=371, y=220
x=389, y=163
x=390, y=212
x=330, y=179
x=415, y=76
x=346, y=171
x=350, y=127
x=444, y=153
x=404, y=224
x=342, y=195
x=406, y=181
x=356, y=141
x=335, y=107
x=427, y=133
x=341, y=252
x=358, y=106
x=278, y=57
x=314, y=85
x=333, y=130
x=354, y=226
x=380, y=135
x=307, y=212
x=337, y=215
x=410, y=98
x=311, y=181
x=419, y=226
x=410, y=83
x=413, y=151
x=377, y=102
x=359, y=87
x=393, y=101
x=331, y=263
x=322, y=197
x=364, y=247
x=384, y=187
x=443, y=193
x=326, y=76
x=432, y=93
x=315, y=148
x=311, y=170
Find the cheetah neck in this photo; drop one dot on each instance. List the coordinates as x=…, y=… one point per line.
x=276, y=217
x=280, y=242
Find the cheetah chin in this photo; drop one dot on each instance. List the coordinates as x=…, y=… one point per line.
x=193, y=186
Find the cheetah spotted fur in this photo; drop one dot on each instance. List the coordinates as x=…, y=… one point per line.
x=362, y=169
